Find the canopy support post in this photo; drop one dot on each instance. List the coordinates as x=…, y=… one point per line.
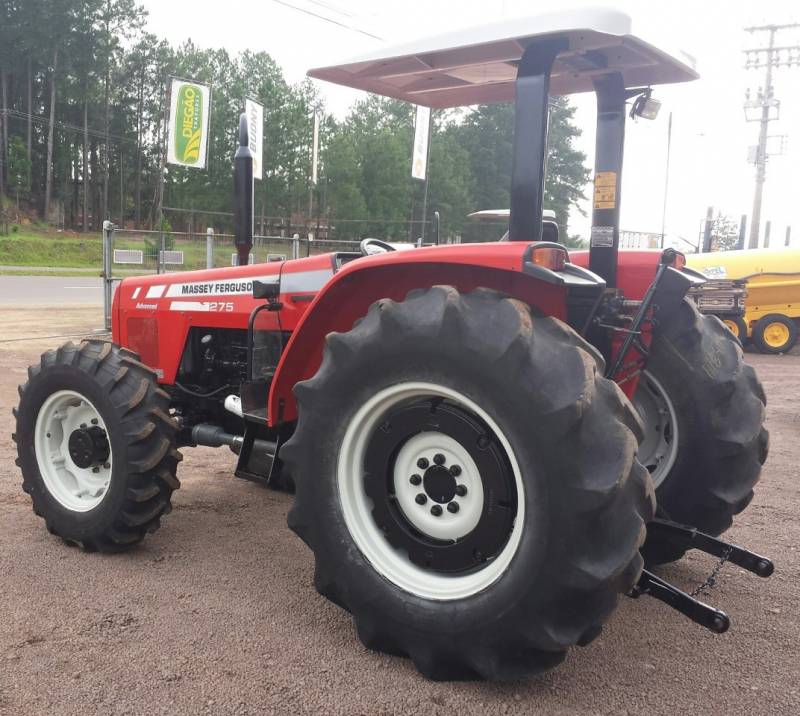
x=530, y=139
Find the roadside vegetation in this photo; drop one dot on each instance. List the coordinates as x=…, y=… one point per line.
x=82, y=86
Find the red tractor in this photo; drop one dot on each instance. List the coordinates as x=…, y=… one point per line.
x=486, y=441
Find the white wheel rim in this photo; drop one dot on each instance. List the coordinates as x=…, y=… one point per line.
x=78, y=489
x=448, y=525
x=394, y=564
x=659, y=449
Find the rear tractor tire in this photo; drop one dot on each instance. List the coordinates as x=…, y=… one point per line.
x=468, y=483
x=703, y=411
x=96, y=445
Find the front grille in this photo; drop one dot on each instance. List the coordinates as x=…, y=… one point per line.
x=716, y=303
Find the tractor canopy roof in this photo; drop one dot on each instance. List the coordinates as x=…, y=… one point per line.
x=479, y=65
x=503, y=215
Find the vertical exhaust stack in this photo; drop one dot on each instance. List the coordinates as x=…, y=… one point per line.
x=243, y=193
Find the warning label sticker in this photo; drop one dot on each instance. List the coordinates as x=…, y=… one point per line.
x=605, y=190
x=602, y=236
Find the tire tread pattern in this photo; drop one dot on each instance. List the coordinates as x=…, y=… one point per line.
x=603, y=489
x=142, y=410
x=721, y=408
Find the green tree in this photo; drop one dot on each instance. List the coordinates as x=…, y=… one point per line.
x=724, y=233
x=487, y=134
x=19, y=167
x=342, y=172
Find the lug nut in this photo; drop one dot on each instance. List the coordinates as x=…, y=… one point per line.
x=421, y=499
x=95, y=469
x=106, y=465
x=461, y=490
x=415, y=479
x=452, y=507
x=439, y=459
x=422, y=463
x=83, y=426
x=436, y=510
x=94, y=421
x=455, y=470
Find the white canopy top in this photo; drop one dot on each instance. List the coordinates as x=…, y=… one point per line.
x=479, y=65
x=503, y=215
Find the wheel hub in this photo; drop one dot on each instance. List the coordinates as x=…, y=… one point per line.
x=72, y=451
x=88, y=447
x=776, y=335
x=439, y=484
x=659, y=448
x=389, y=444
x=442, y=490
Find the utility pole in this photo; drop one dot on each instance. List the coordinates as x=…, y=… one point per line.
x=666, y=182
x=708, y=230
x=767, y=58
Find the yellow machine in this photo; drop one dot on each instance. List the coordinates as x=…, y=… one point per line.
x=756, y=293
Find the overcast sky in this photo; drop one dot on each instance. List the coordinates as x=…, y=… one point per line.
x=710, y=136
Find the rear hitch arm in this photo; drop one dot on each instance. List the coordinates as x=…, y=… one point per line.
x=699, y=612
x=687, y=537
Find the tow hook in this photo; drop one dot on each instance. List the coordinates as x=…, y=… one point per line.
x=691, y=538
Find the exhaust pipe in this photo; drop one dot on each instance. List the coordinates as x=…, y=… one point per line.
x=243, y=194
x=216, y=436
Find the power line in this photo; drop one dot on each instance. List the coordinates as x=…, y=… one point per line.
x=331, y=7
x=327, y=19
x=40, y=119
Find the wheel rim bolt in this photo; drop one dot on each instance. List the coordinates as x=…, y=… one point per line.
x=461, y=490
x=94, y=421
x=95, y=469
x=421, y=499
x=106, y=465
x=422, y=463
x=436, y=510
x=483, y=442
x=439, y=459
x=48, y=435
x=452, y=507
x=415, y=479
x=455, y=470
x=83, y=426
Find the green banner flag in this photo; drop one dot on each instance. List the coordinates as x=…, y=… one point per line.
x=190, y=108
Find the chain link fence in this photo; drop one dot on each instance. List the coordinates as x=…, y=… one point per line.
x=142, y=252
x=131, y=252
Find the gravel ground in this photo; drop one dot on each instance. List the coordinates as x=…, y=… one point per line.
x=216, y=612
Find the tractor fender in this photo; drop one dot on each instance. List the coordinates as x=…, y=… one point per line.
x=351, y=292
x=636, y=269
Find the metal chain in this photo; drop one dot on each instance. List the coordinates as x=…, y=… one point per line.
x=711, y=580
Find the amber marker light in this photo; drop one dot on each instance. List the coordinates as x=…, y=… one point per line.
x=551, y=257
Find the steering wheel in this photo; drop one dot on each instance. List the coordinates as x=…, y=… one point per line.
x=382, y=247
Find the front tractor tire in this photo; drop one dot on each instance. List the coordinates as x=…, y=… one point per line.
x=467, y=481
x=96, y=445
x=703, y=411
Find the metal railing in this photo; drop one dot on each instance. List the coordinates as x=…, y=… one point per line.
x=130, y=252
